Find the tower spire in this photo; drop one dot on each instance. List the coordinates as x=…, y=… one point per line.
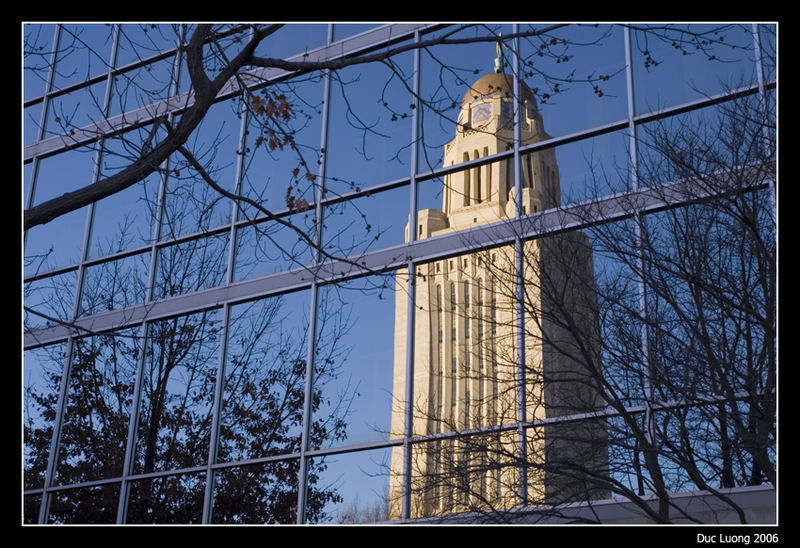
x=498, y=61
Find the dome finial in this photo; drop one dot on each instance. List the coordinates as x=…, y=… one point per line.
x=498, y=61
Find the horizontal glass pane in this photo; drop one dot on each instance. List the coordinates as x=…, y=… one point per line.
x=30, y=508
x=275, y=246
x=140, y=41
x=369, y=222
x=673, y=64
x=349, y=488
x=293, y=39
x=87, y=505
x=344, y=30
x=257, y=494
x=191, y=266
x=49, y=301
x=166, y=500
x=477, y=473
x=115, y=284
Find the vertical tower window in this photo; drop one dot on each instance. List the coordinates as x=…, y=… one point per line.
x=479, y=308
x=453, y=313
x=439, y=318
x=477, y=184
x=466, y=310
x=467, y=189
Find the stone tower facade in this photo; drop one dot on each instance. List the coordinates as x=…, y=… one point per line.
x=465, y=360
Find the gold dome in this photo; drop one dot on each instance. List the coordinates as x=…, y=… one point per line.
x=497, y=83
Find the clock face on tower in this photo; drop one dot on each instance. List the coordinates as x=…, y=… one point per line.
x=481, y=113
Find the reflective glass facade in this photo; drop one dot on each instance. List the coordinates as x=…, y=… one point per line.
x=228, y=339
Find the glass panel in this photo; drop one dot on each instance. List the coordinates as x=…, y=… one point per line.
x=95, y=426
x=30, y=125
x=349, y=488
x=27, y=169
x=475, y=473
x=626, y=460
x=673, y=64
x=618, y=308
x=143, y=85
x=191, y=266
x=170, y=499
x=84, y=52
x=577, y=75
x=30, y=511
x=464, y=343
x=115, y=284
x=282, y=147
x=89, y=505
x=717, y=139
x=353, y=379
x=55, y=244
x=76, y=109
x=257, y=494
x=572, y=79
x=447, y=73
x=264, y=378
x=275, y=246
x=568, y=461
x=293, y=39
x=64, y=173
x=37, y=47
x=769, y=54
x=62, y=238
x=49, y=301
x=281, y=173
x=191, y=204
x=177, y=392
x=589, y=169
x=370, y=123
x=369, y=222
x=124, y=220
x=140, y=41
x=42, y=369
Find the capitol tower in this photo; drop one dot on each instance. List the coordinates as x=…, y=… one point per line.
x=466, y=365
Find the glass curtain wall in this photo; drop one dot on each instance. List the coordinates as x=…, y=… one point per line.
x=351, y=342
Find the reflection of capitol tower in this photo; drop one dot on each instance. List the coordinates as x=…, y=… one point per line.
x=465, y=359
